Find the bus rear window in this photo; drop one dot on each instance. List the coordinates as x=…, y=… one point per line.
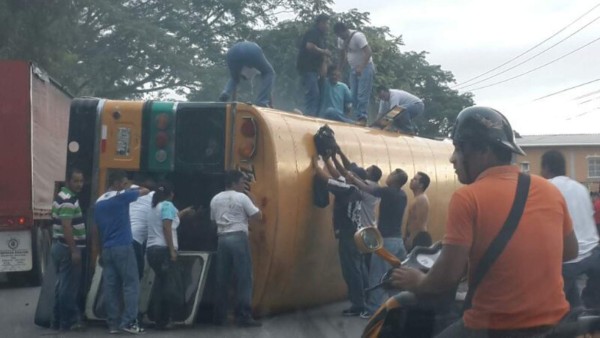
x=200, y=140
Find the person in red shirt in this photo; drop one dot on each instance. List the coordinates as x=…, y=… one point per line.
x=597, y=210
x=522, y=293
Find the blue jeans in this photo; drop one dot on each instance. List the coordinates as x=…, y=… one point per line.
x=312, y=93
x=119, y=272
x=140, y=250
x=159, y=260
x=361, y=86
x=233, y=257
x=336, y=115
x=378, y=268
x=591, y=293
x=250, y=55
x=67, y=310
x=404, y=121
x=353, y=271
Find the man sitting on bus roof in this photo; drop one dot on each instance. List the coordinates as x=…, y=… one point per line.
x=336, y=99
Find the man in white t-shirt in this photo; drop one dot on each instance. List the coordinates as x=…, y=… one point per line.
x=354, y=48
x=138, y=216
x=411, y=105
x=581, y=210
x=231, y=211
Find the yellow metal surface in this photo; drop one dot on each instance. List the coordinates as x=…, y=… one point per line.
x=122, y=121
x=294, y=250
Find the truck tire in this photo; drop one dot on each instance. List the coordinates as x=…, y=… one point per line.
x=40, y=243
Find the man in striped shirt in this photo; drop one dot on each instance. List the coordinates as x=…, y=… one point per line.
x=68, y=233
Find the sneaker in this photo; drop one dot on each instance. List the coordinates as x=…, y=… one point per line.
x=133, y=328
x=79, y=326
x=351, y=312
x=365, y=314
x=113, y=330
x=249, y=322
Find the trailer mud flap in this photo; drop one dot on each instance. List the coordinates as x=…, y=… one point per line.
x=195, y=270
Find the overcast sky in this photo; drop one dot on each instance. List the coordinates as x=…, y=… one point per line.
x=470, y=37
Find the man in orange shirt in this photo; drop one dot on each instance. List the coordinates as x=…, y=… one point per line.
x=522, y=293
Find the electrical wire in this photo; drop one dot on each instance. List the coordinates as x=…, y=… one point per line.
x=566, y=90
x=530, y=49
x=532, y=57
x=536, y=68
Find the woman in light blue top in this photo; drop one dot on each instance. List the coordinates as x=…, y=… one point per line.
x=162, y=246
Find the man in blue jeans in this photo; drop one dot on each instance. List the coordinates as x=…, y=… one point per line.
x=231, y=211
x=68, y=253
x=117, y=255
x=312, y=58
x=336, y=101
x=391, y=213
x=244, y=60
x=412, y=106
x=355, y=49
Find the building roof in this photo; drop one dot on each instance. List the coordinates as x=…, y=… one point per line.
x=559, y=140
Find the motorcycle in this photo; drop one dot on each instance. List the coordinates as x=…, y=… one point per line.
x=427, y=317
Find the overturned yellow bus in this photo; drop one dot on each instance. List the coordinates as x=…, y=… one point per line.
x=294, y=251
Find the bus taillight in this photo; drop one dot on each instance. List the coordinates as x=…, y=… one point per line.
x=248, y=130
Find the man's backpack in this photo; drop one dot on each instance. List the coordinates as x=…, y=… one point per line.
x=325, y=141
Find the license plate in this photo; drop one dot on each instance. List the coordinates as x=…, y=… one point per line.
x=123, y=141
x=15, y=251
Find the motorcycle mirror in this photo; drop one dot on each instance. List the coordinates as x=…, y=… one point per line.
x=368, y=240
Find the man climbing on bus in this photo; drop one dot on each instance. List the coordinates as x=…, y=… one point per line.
x=516, y=288
x=391, y=213
x=246, y=59
x=346, y=220
x=411, y=106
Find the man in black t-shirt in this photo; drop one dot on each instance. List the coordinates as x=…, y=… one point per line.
x=346, y=220
x=312, y=57
x=391, y=213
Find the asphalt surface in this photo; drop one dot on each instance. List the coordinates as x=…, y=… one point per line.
x=18, y=304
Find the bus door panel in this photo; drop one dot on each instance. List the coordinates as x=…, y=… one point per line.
x=121, y=134
x=193, y=266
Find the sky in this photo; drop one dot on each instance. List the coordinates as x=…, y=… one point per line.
x=471, y=37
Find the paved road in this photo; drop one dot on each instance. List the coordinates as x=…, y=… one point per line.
x=17, y=308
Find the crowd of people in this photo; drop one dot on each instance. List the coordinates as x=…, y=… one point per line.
x=139, y=223
x=544, y=238
x=325, y=95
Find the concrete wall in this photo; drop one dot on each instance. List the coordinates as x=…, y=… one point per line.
x=576, y=158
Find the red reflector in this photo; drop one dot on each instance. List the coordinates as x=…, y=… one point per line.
x=248, y=128
x=162, y=139
x=21, y=220
x=162, y=121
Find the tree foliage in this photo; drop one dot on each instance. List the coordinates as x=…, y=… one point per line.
x=136, y=48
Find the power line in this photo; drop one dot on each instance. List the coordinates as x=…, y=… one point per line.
x=532, y=57
x=587, y=94
x=536, y=68
x=594, y=98
x=530, y=49
x=566, y=89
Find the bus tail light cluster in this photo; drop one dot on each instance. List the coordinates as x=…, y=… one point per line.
x=161, y=140
x=247, y=143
